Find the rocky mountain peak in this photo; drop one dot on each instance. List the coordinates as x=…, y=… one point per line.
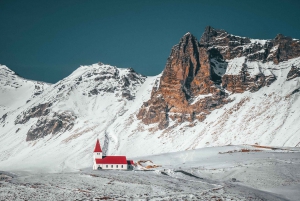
x=279, y=37
x=283, y=48
x=182, y=66
x=87, y=82
x=11, y=81
x=195, y=78
x=186, y=77
x=100, y=79
x=210, y=33
x=8, y=77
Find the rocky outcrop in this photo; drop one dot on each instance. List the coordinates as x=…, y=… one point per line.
x=244, y=82
x=281, y=48
x=48, y=122
x=36, y=111
x=229, y=46
x=293, y=73
x=2, y=119
x=111, y=80
x=188, y=86
x=51, y=124
x=194, y=79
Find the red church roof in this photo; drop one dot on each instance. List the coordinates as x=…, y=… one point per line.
x=112, y=160
x=97, y=147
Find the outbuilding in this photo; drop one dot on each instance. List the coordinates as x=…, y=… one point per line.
x=4, y=177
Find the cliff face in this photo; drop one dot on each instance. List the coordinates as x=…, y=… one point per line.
x=281, y=48
x=197, y=74
x=188, y=88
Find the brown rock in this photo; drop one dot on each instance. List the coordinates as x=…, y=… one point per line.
x=194, y=79
x=284, y=48
x=281, y=48
x=244, y=82
x=53, y=124
x=185, y=77
x=228, y=45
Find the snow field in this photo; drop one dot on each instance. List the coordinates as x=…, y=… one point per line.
x=202, y=174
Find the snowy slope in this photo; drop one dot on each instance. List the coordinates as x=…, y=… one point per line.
x=16, y=91
x=103, y=102
x=94, y=95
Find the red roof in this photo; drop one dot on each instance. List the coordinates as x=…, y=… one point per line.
x=131, y=162
x=97, y=147
x=112, y=160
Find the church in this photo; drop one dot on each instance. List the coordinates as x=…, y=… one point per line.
x=110, y=162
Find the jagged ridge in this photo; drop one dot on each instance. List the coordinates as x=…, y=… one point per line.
x=206, y=68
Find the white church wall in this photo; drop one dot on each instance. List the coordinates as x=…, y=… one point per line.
x=111, y=166
x=97, y=155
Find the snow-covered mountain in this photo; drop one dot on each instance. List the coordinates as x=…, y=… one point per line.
x=16, y=91
x=221, y=90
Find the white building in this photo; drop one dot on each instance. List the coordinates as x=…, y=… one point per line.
x=109, y=162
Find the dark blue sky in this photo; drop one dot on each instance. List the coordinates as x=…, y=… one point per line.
x=48, y=39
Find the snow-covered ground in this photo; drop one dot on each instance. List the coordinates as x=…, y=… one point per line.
x=216, y=173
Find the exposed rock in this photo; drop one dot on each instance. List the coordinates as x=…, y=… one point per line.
x=295, y=91
x=111, y=80
x=48, y=123
x=37, y=111
x=244, y=82
x=94, y=92
x=125, y=81
x=61, y=87
x=38, y=89
x=187, y=76
x=194, y=79
x=281, y=48
x=293, y=73
x=229, y=46
x=126, y=94
x=155, y=111
x=2, y=119
x=52, y=124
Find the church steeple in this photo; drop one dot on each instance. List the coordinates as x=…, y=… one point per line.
x=97, y=150
x=97, y=147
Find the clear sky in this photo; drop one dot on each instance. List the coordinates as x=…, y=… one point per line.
x=47, y=40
